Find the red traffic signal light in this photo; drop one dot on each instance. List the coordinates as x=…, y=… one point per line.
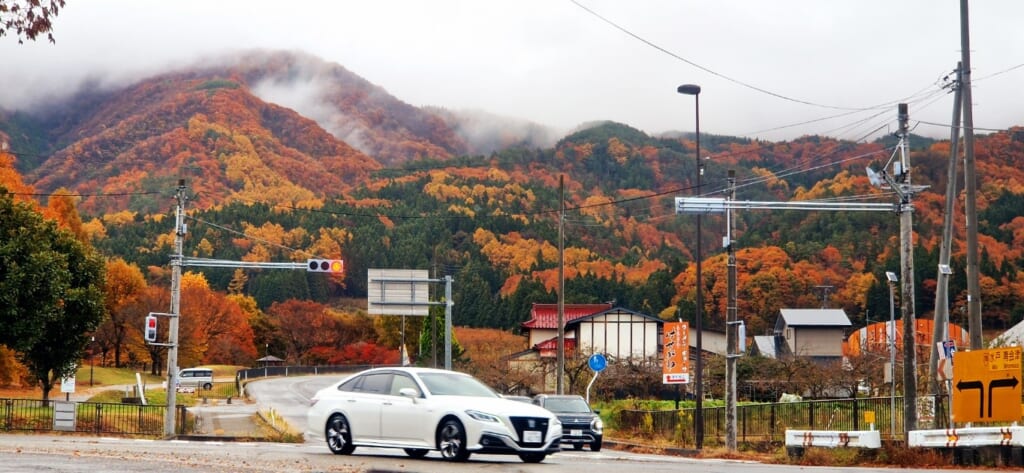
x=149, y=332
x=325, y=265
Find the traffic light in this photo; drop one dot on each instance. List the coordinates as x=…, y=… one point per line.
x=150, y=330
x=325, y=265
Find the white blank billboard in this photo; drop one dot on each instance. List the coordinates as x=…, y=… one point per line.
x=398, y=292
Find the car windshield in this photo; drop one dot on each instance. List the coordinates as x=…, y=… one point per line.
x=566, y=405
x=451, y=384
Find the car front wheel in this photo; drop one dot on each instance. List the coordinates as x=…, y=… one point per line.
x=451, y=441
x=595, y=446
x=339, y=435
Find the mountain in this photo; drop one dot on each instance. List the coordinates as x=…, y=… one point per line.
x=384, y=185
x=209, y=130
x=351, y=108
x=286, y=120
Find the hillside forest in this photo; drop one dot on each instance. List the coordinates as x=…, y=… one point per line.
x=267, y=184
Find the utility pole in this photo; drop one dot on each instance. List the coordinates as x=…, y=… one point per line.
x=825, y=289
x=178, y=260
x=174, y=315
x=970, y=186
x=941, y=324
x=732, y=325
x=560, y=363
x=907, y=310
x=734, y=328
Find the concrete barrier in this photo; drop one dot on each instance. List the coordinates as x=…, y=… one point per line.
x=833, y=438
x=1012, y=436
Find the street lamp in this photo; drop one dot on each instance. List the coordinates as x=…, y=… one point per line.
x=92, y=358
x=698, y=418
x=891, y=276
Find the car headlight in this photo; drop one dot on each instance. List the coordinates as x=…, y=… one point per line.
x=483, y=416
x=597, y=425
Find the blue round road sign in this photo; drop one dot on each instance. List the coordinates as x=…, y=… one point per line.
x=597, y=362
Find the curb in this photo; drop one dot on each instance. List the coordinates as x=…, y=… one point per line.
x=635, y=447
x=221, y=438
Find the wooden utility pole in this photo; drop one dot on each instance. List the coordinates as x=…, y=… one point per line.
x=970, y=186
x=907, y=309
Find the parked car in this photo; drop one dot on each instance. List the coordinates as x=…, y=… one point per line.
x=581, y=425
x=526, y=399
x=423, y=409
x=196, y=378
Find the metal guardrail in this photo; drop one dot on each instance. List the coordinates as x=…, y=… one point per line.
x=241, y=376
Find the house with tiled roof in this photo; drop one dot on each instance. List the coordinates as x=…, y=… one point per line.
x=616, y=332
x=594, y=328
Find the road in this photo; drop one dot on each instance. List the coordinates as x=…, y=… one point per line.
x=79, y=454
x=289, y=397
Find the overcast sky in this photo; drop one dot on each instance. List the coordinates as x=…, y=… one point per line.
x=558, y=64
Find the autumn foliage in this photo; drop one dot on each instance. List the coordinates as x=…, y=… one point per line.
x=382, y=184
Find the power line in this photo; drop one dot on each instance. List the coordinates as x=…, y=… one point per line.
x=236, y=232
x=68, y=194
x=947, y=125
x=718, y=74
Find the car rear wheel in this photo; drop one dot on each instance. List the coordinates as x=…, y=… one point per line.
x=532, y=457
x=416, y=452
x=451, y=441
x=339, y=435
x=208, y=386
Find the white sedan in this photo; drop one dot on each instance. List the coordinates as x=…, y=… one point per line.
x=423, y=409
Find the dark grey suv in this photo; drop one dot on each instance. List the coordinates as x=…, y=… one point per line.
x=580, y=424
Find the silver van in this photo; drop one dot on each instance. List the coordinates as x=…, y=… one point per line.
x=196, y=378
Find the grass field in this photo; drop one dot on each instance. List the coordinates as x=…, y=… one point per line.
x=95, y=379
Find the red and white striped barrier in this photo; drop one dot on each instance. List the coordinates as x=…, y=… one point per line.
x=967, y=437
x=833, y=438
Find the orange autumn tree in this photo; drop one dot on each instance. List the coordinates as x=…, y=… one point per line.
x=11, y=179
x=487, y=354
x=123, y=288
x=212, y=327
x=309, y=332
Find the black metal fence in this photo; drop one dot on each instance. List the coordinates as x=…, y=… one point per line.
x=759, y=423
x=94, y=417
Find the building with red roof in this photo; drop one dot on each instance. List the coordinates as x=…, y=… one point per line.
x=594, y=328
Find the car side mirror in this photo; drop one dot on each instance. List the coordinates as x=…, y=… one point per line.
x=596, y=411
x=409, y=392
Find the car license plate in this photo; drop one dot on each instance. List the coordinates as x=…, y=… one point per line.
x=576, y=432
x=532, y=436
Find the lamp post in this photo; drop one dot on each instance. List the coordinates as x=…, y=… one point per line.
x=698, y=417
x=891, y=276
x=92, y=357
